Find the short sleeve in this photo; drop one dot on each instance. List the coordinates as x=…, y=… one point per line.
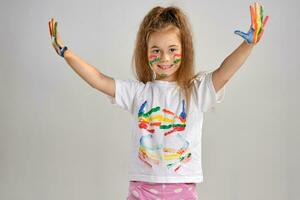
x=125, y=92
x=207, y=96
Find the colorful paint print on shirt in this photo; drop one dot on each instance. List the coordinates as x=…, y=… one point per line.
x=158, y=121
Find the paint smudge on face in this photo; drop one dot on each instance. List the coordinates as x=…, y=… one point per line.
x=153, y=59
x=163, y=75
x=177, y=58
x=152, y=56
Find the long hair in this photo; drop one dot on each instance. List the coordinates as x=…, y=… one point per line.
x=157, y=19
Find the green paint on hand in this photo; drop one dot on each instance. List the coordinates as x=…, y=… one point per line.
x=55, y=32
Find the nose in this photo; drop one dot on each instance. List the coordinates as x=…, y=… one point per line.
x=165, y=57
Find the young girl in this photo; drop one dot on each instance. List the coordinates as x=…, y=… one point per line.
x=167, y=101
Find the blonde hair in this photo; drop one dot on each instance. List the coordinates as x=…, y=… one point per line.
x=157, y=19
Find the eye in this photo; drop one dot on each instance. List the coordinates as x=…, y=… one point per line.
x=155, y=51
x=173, y=50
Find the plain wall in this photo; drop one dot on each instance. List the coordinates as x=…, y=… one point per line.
x=62, y=139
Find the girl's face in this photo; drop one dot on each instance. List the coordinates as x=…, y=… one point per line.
x=164, y=54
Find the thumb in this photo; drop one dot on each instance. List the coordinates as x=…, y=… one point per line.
x=242, y=34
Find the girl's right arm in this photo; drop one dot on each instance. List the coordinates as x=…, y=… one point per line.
x=89, y=73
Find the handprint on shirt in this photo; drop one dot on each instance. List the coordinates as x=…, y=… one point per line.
x=159, y=121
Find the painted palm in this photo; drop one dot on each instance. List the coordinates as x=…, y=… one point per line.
x=55, y=38
x=258, y=23
x=162, y=141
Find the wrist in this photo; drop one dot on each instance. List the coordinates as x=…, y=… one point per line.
x=245, y=42
x=67, y=53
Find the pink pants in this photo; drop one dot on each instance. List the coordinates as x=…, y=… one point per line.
x=161, y=191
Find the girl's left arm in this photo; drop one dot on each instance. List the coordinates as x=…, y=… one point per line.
x=236, y=59
x=230, y=65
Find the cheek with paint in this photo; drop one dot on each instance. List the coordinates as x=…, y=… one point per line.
x=153, y=59
x=177, y=58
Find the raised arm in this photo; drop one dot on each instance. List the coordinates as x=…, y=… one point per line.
x=90, y=74
x=230, y=65
x=86, y=71
x=236, y=59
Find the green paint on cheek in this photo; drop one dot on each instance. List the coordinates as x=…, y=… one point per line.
x=177, y=60
x=154, y=60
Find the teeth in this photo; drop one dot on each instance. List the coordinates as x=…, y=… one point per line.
x=165, y=66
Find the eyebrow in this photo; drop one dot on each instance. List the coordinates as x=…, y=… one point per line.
x=173, y=45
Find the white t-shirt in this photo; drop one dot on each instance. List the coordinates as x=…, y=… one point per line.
x=166, y=141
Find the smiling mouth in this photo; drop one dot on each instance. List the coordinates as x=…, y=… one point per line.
x=165, y=66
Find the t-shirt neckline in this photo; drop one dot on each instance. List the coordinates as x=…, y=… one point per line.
x=164, y=82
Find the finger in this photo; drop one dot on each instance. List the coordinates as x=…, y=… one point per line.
x=245, y=36
x=254, y=25
x=265, y=21
x=55, y=48
x=49, y=26
x=259, y=20
x=52, y=26
x=261, y=14
x=252, y=15
x=256, y=22
x=242, y=34
x=257, y=12
x=55, y=34
x=55, y=29
x=258, y=16
x=261, y=33
x=262, y=29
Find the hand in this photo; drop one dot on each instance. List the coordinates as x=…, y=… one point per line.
x=258, y=23
x=55, y=38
